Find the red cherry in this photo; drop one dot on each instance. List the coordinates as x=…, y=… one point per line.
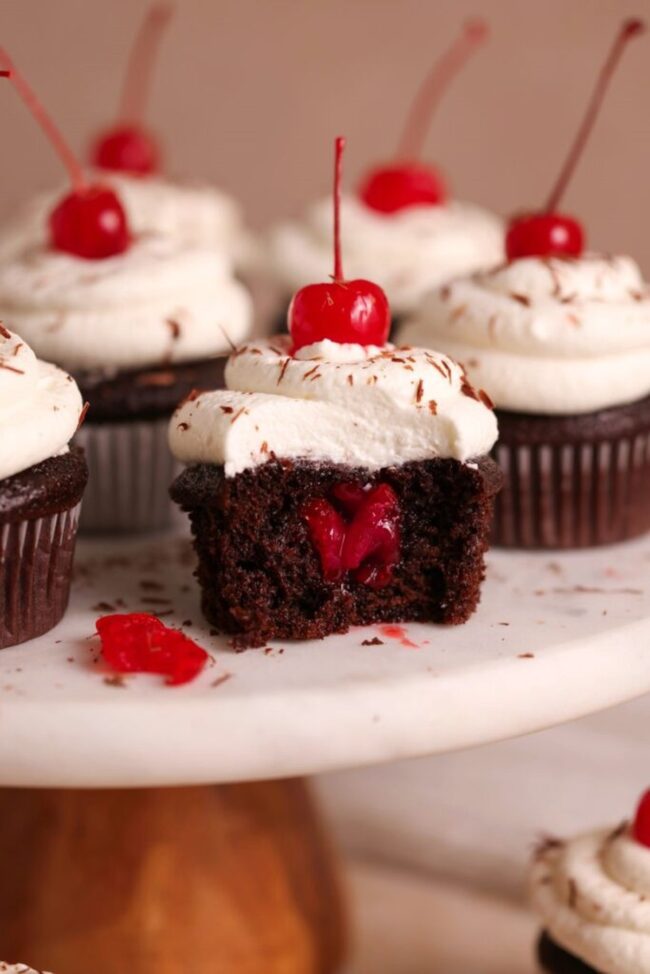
x=398, y=187
x=90, y=221
x=343, y=311
x=367, y=544
x=372, y=540
x=544, y=235
x=641, y=826
x=327, y=531
x=136, y=642
x=550, y=233
x=402, y=184
x=128, y=146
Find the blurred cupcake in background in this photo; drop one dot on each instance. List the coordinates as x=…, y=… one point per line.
x=139, y=320
x=41, y=485
x=129, y=157
x=560, y=340
x=401, y=228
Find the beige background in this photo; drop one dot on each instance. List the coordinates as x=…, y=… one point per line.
x=251, y=92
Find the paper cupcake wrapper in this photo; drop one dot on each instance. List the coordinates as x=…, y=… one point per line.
x=35, y=572
x=131, y=468
x=574, y=495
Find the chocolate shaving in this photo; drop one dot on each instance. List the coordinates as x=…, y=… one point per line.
x=82, y=415
x=433, y=407
x=174, y=327
x=521, y=299
x=485, y=399
x=4, y=331
x=11, y=368
x=468, y=390
x=226, y=409
x=283, y=369
x=618, y=831
x=375, y=641
x=419, y=392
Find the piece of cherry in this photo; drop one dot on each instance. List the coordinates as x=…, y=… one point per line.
x=341, y=311
x=641, y=824
x=549, y=233
x=90, y=221
x=137, y=642
x=407, y=182
x=363, y=540
x=127, y=146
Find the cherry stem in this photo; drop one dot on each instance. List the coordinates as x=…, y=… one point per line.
x=434, y=86
x=25, y=91
x=339, y=146
x=137, y=80
x=629, y=29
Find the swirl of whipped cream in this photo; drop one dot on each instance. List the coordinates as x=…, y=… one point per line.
x=40, y=407
x=406, y=253
x=351, y=404
x=161, y=301
x=547, y=336
x=593, y=895
x=196, y=214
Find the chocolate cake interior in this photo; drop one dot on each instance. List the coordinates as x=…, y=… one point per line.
x=261, y=575
x=556, y=960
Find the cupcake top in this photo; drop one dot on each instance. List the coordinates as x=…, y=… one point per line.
x=160, y=301
x=196, y=214
x=354, y=404
x=550, y=335
x=40, y=407
x=593, y=895
x=406, y=252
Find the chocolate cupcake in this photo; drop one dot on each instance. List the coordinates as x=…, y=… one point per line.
x=562, y=346
x=591, y=894
x=138, y=331
x=41, y=485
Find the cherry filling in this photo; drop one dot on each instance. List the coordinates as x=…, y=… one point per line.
x=136, y=642
x=356, y=531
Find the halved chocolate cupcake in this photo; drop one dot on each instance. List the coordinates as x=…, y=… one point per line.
x=41, y=485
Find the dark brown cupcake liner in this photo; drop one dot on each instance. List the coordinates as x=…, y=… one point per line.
x=131, y=468
x=593, y=489
x=35, y=572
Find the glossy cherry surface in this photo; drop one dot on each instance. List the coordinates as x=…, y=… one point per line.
x=341, y=311
x=126, y=148
x=136, y=642
x=641, y=824
x=544, y=235
x=406, y=182
x=90, y=223
x=393, y=188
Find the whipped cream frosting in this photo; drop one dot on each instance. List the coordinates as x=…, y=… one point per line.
x=352, y=404
x=593, y=895
x=40, y=407
x=549, y=336
x=18, y=969
x=406, y=253
x=193, y=213
x=161, y=301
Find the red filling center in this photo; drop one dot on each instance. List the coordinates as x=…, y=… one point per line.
x=136, y=642
x=357, y=531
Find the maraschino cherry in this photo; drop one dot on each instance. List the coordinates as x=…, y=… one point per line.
x=90, y=221
x=549, y=233
x=641, y=824
x=127, y=146
x=408, y=182
x=343, y=311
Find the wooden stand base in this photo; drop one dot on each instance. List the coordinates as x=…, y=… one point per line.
x=235, y=878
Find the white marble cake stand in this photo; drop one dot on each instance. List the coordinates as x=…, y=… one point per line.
x=237, y=877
